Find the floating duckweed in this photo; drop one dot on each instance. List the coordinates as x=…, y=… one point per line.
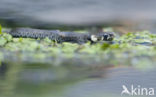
x=129, y=34
x=15, y=39
x=115, y=46
x=69, y=48
x=20, y=39
x=8, y=37
x=105, y=46
x=88, y=49
x=0, y=29
x=47, y=40
x=3, y=41
x=152, y=36
x=1, y=57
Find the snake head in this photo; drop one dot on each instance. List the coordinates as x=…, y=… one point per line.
x=108, y=36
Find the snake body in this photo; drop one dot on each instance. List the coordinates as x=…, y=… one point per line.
x=60, y=37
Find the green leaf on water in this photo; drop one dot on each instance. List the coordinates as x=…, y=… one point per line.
x=2, y=41
x=8, y=37
x=20, y=39
x=115, y=46
x=0, y=63
x=0, y=29
x=105, y=46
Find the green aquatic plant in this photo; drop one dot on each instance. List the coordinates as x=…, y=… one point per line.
x=105, y=46
x=7, y=37
x=0, y=29
x=3, y=41
x=20, y=39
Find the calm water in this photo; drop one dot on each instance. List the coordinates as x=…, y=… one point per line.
x=44, y=80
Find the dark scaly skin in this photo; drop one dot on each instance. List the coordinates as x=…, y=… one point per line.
x=73, y=37
x=33, y=33
x=58, y=36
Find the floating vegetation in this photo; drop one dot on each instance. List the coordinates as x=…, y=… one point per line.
x=131, y=49
x=0, y=29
